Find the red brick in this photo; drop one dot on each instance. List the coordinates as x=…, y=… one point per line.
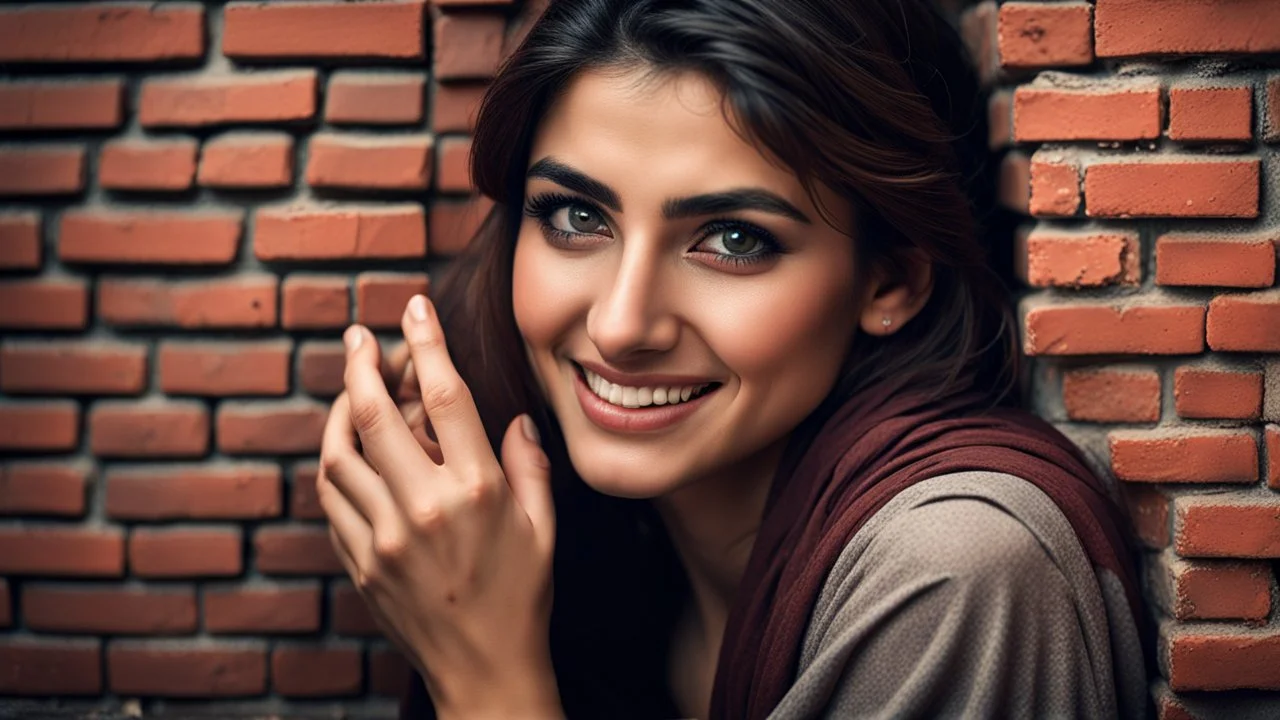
x=1211, y=113
x=372, y=98
x=1216, y=260
x=1184, y=455
x=262, y=609
x=6, y=605
x=385, y=231
x=88, y=32
x=39, y=426
x=1000, y=119
x=150, y=237
x=316, y=302
x=304, y=503
x=1237, y=525
x=370, y=162
x=455, y=166
x=1209, y=590
x=44, y=304
x=76, y=367
x=1112, y=394
x=41, y=169
x=225, y=367
x=389, y=673
x=242, y=301
x=20, y=241
x=316, y=671
x=1173, y=187
x=979, y=29
x=148, y=164
x=453, y=224
x=467, y=44
x=1036, y=35
x=61, y=551
x=219, y=99
x=382, y=296
x=320, y=368
x=195, y=492
x=386, y=29
x=1148, y=510
x=179, y=669
x=264, y=428
x=247, y=159
x=1055, y=189
x=1213, y=658
x=1272, y=441
x=41, y=666
x=149, y=429
x=1127, y=112
x=41, y=488
x=1247, y=322
x=1271, y=113
x=1142, y=27
x=1013, y=183
x=296, y=550
x=1204, y=392
x=182, y=552
x=109, y=610
x=1048, y=258
x=456, y=105
x=61, y=105
x=1079, y=329
x=348, y=614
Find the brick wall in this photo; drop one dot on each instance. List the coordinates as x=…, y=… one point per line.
x=195, y=198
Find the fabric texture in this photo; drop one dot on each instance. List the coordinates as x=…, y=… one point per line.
x=968, y=595
x=866, y=451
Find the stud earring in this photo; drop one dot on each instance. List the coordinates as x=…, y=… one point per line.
x=886, y=322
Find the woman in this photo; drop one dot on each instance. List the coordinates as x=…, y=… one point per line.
x=719, y=431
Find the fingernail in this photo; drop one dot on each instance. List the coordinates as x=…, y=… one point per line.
x=530, y=430
x=418, y=308
x=353, y=338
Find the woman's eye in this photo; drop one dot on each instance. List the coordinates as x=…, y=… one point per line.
x=736, y=242
x=581, y=219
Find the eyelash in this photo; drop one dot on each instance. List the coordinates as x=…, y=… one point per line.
x=542, y=207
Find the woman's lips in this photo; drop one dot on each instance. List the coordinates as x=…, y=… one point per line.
x=621, y=419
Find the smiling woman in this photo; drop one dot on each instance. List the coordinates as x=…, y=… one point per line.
x=734, y=292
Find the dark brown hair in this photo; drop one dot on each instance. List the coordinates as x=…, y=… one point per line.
x=874, y=99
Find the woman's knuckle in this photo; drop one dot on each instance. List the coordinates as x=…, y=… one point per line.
x=445, y=395
x=390, y=547
x=365, y=415
x=482, y=493
x=426, y=517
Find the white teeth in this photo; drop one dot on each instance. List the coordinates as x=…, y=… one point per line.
x=638, y=397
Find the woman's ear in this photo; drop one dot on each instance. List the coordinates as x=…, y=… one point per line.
x=897, y=294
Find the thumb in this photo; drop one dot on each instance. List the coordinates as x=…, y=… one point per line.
x=529, y=475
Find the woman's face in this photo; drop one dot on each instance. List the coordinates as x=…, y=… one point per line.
x=683, y=303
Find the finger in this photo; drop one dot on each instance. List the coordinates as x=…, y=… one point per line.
x=350, y=534
x=448, y=402
x=395, y=365
x=528, y=474
x=345, y=468
x=384, y=437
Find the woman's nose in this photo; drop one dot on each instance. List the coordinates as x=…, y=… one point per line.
x=632, y=313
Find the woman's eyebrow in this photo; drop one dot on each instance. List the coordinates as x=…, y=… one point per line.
x=565, y=176
x=729, y=201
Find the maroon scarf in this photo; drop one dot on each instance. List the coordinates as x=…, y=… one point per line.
x=867, y=451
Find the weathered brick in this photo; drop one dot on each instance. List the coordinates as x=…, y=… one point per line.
x=61, y=104
x=225, y=368
x=381, y=296
x=320, y=368
x=247, y=159
x=1211, y=590
x=1125, y=27
x=453, y=223
x=62, y=551
x=1245, y=322
x=1235, y=525
x=1184, y=455
x=1055, y=189
x=270, y=428
x=455, y=166
x=20, y=241
x=1216, y=260
x=316, y=671
x=1090, y=329
x=150, y=237
x=1211, y=113
x=1048, y=258
x=295, y=550
x=1271, y=113
x=1149, y=512
x=1173, y=186
x=110, y=610
x=48, y=425
x=388, y=231
x=243, y=301
x=148, y=429
x=393, y=29
x=316, y=302
x=304, y=503
x=76, y=367
x=1130, y=111
x=1200, y=657
x=220, y=99
x=1112, y=394
x=1209, y=392
x=197, y=492
x=180, y=669
x=455, y=106
x=1044, y=35
x=369, y=98
x=370, y=162
x=44, y=666
x=147, y=164
x=468, y=44
x=89, y=32
x=43, y=488
x=48, y=303
x=181, y=552
x=255, y=609
x=41, y=169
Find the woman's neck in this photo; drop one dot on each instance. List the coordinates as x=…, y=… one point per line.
x=713, y=525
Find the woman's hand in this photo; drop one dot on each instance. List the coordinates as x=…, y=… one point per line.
x=450, y=549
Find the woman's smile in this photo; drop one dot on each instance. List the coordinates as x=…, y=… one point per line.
x=642, y=403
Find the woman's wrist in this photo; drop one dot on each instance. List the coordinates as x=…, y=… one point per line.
x=527, y=691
